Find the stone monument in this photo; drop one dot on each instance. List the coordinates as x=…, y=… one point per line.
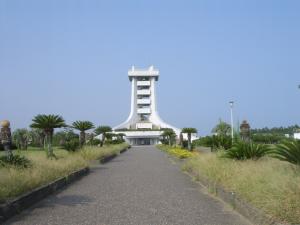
x=245, y=131
x=5, y=137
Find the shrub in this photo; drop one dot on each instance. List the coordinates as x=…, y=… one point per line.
x=215, y=142
x=71, y=145
x=15, y=160
x=95, y=142
x=203, y=141
x=175, y=151
x=244, y=150
x=267, y=138
x=185, y=144
x=12, y=147
x=114, y=142
x=288, y=151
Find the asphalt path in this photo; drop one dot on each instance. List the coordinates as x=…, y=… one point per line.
x=140, y=187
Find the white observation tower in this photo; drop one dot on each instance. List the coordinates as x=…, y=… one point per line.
x=143, y=125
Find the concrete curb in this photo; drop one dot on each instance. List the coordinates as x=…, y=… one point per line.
x=24, y=201
x=15, y=206
x=111, y=157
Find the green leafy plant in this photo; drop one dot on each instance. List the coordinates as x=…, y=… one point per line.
x=21, y=138
x=95, y=142
x=48, y=123
x=71, y=145
x=176, y=151
x=82, y=126
x=244, y=150
x=288, y=151
x=15, y=160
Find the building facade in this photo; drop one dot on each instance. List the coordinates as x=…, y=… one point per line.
x=143, y=126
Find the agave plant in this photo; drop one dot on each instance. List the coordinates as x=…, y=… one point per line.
x=82, y=126
x=288, y=151
x=244, y=150
x=48, y=123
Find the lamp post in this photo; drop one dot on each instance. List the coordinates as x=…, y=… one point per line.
x=231, y=114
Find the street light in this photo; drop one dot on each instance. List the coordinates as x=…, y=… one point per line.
x=231, y=113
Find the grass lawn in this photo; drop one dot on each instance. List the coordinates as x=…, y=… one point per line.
x=14, y=181
x=269, y=184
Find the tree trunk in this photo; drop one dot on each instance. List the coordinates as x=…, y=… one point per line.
x=170, y=141
x=181, y=140
x=82, y=138
x=189, y=141
x=8, y=150
x=51, y=149
x=49, y=135
x=103, y=139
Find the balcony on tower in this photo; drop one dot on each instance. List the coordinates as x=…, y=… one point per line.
x=144, y=111
x=144, y=101
x=143, y=83
x=144, y=92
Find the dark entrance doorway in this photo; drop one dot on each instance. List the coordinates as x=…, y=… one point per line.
x=143, y=141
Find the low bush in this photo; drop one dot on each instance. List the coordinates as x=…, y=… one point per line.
x=268, y=138
x=215, y=142
x=71, y=145
x=12, y=147
x=243, y=150
x=14, y=160
x=114, y=142
x=176, y=151
x=95, y=142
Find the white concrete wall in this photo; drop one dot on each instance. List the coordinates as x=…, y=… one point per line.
x=297, y=136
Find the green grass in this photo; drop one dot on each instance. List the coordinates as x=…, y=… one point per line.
x=93, y=153
x=14, y=181
x=269, y=184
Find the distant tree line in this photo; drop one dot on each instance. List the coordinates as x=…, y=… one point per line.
x=277, y=130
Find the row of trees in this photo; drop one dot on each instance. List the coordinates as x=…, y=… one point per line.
x=42, y=133
x=169, y=136
x=221, y=137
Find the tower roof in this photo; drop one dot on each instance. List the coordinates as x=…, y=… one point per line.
x=150, y=72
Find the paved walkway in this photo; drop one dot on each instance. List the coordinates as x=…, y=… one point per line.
x=140, y=187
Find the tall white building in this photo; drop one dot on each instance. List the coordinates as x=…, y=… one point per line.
x=143, y=125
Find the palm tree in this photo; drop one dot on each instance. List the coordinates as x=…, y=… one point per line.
x=102, y=130
x=170, y=134
x=222, y=128
x=82, y=126
x=48, y=123
x=189, y=131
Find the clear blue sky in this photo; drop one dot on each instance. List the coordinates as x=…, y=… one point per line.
x=71, y=58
